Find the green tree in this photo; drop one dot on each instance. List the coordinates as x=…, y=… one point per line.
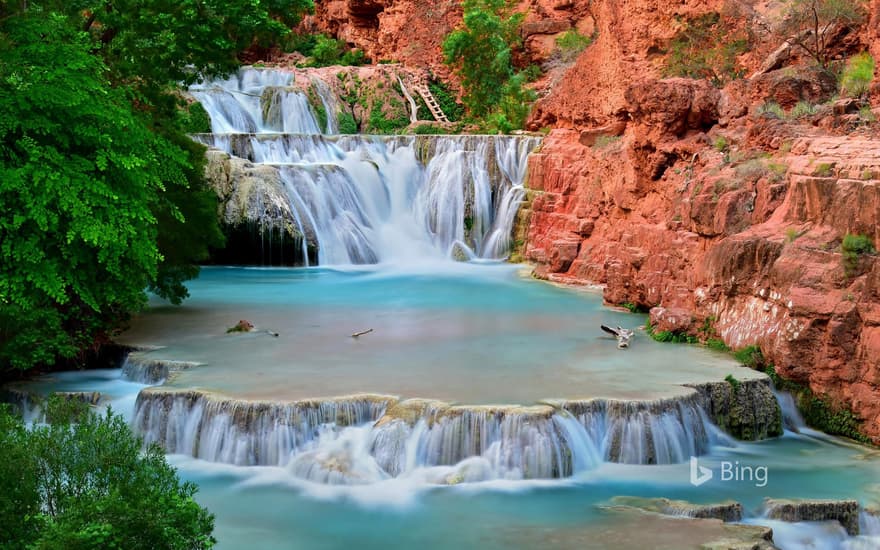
x=707, y=47
x=89, y=485
x=808, y=24
x=102, y=195
x=79, y=174
x=481, y=52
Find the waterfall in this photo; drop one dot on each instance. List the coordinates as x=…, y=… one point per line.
x=364, y=438
x=328, y=100
x=791, y=416
x=368, y=199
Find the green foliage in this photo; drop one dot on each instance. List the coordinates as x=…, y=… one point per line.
x=807, y=24
x=388, y=120
x=194, y=119
x=853, y=247
x=571, y=43
x=347, y=123
x=857, y=75
x=717, y=344
x=823, y=170
x=777, y=170
x=102, y=194
x=317, y=106
x=791, y=235
x=634, y=308
x=771, y=109
x=514, y=106
x=327, y=51
x=707, y=47
x=450, y=106
x=867, y=115
x=303, y=43
x=481, y=55
x=721, y=144
x=79, y=171
x=666, y=336
x=801, y=110
x=734, y=383
x=750, y=356
x=89, y=485
x=533, y=72
x=431, y=129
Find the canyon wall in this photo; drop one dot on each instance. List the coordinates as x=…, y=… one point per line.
x=683, y=198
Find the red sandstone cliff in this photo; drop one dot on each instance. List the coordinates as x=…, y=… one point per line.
x=629, y=191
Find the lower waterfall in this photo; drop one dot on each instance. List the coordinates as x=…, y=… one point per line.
x=366, y=438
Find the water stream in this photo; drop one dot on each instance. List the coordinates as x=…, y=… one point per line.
x=369, y=199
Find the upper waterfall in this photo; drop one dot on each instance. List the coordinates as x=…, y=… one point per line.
x=359, y=199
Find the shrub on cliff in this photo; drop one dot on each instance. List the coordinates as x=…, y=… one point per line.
x=707, y=47
x=327, y=51
x=853, y=247
x=89, y=485
x=571, y=43
x=857, y=76
x=809, y=24
x=480, y=53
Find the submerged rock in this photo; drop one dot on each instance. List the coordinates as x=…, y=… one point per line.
x=725, y=511
x=844, y=511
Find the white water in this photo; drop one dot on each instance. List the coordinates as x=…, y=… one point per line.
x=791, y=416
x=340, y=440
x=371, y=199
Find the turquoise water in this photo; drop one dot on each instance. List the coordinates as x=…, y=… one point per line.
x=269, y=505
x=458, y=332
x=270, y=508
x=472, y=333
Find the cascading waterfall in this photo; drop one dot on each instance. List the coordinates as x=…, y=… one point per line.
x=370, y=199
x=367, y=438
x=243, y=432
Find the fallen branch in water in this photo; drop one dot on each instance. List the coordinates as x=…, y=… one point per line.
x=275, y=334
x=361, y=333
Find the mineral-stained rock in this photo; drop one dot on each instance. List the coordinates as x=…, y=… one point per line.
x=747, y=410
x=844, y=511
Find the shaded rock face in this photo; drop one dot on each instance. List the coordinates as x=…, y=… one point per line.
x=844, y=511
x=747, y=411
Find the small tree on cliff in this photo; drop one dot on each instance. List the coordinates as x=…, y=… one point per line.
x=481, y=54
x=810, y=24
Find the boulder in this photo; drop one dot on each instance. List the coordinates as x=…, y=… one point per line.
x=844, y=511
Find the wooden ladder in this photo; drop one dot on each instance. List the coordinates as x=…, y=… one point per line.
x=420, y=84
